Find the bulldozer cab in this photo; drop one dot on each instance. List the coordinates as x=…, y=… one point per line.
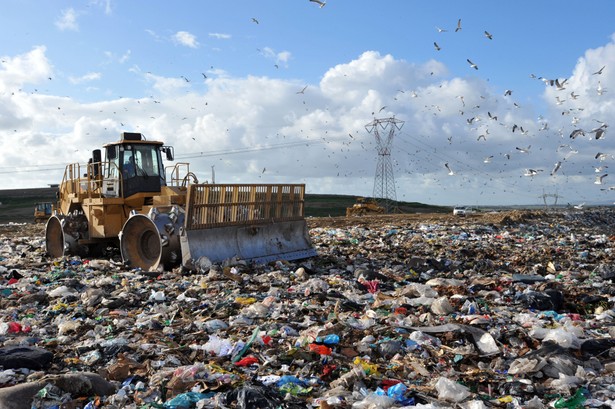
x=138, y=164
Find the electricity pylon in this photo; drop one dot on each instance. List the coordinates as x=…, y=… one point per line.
x=384, y=180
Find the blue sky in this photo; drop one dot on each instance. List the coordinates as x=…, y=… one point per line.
x=223, y=89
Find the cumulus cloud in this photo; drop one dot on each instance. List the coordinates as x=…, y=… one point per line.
x=29, y=68
x=186, y=39
x=320, y=137
x=67, y=20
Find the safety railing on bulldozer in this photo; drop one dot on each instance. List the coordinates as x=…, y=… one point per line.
x=179, y=175
x=227, y=205
x=91, y=183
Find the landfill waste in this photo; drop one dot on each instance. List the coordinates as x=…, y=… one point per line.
x=508, y=309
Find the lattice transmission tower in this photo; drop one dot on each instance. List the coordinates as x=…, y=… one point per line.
x=384, y=180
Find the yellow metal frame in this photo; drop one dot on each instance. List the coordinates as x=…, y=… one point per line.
x=237, y=204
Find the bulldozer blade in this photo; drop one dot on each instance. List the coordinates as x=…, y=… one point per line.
x=260, y=243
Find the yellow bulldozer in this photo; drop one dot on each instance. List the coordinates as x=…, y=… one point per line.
x=42, y=211
x=163, y=217
x=364, y=206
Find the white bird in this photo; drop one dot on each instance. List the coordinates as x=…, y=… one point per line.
x=599, y=179
x=458, y=25
x=320, y=3
x=599, y=132
x=488, y=159
x=303, y=90
x=600, y=90
x=556, y=168
x=573, y=95
x=599, y=169
x=507, y=92
x=441, y=30
x=601, y=156
x=437, y=47
x=472, y=65
x=532, y=172
x=254, y=20
x=488, y=35
x=579, y=206
x=577, y=132
x=524, y=150
x=450, y=171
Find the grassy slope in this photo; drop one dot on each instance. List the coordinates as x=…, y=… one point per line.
x=18, y=204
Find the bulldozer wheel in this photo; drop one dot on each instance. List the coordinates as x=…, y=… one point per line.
x=54, y=237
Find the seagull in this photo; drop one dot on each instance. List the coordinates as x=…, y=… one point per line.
x=254, y=20
x=599, y=179
x=560, y=85
x=488, y=159
x=450, y=171
x=204, y=76
x=472, y=65
x=524, y=150
x=507, y=92
x=556, y=168
x=440, y=30
x=573, y=95
x=599, y=169
x=302, y=91
x=436, y=46
x=532, y=172
x=488, y=35
x=601, y=156
x=599, y=132
x=599, y=71
x=576, y=133
x=320, y=3
x=458, y=25
x=600, y=90
x=579, y=206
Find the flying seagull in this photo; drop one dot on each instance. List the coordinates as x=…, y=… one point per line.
x=599, y=179
x=458, y=25
x=302, y=91
x=254, y=20
x=577, y=132
x=532, y=172
x=320, y=3
x=600, y=90
x=472, y=65
x=440, y=30
x=450, y=171
x=436, y=46
x=556, y=168
x=524, y=150
x=599, y=71
x=488, y=35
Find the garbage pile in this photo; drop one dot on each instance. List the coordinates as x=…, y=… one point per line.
x=511, y=311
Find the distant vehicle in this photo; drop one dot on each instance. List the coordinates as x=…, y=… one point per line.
x=459, y=211
x=364, y=206
x=463, y=210
x=42, y=211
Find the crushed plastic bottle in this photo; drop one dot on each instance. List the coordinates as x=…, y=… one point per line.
x=575, y=401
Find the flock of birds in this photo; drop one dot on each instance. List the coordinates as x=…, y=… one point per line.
x=482, y=121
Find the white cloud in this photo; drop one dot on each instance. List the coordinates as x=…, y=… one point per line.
x=68, y=20
x=319, y=137
x=186, y=39
x=29, y=68
x=91, y=76
x=282, y=57
x=220, y=36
